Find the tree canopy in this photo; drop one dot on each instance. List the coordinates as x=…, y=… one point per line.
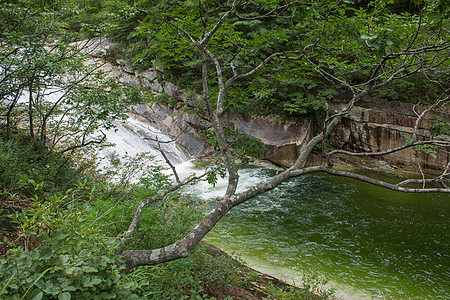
x=276, y=56
x=345, y=40
x=257, y=57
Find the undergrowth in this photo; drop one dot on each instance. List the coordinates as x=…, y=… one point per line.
x=62, y=221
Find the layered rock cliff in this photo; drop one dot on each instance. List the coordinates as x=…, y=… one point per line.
x=376, y=125
x=373, y=125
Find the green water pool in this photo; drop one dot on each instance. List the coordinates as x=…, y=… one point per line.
x=369, y=242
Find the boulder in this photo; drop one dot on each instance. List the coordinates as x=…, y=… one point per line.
x=183, y=127
x=282, y=139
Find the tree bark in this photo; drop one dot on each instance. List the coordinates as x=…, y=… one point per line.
x=182, y=247
x=30, y=109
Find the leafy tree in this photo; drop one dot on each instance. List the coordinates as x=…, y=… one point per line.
x=356, y=49
x=66, y=99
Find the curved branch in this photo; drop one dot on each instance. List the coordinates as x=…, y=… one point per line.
x=258, y=67
x=395, y=187
x=84, y=144
x=393, y=150
x=182, y=247
x=155, y=199
x=219, y=23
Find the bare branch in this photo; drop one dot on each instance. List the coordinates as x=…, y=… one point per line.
x=163, y=153
x=395, y=187
x=438, y=102
x=84, y=144
x=258, y=67
x=160, y=197
x=393, y=150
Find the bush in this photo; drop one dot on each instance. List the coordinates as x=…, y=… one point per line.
x=63, y=270
x=22, y=162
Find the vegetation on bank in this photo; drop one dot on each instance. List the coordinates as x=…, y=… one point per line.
x=358, y=33
x=62, y=220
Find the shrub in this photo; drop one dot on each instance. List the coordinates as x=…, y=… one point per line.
x=66, y=268
x=22, y=162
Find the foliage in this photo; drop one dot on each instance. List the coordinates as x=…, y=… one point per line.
x=23, y=167
x=165, y=99
x=77, y=227
x=439, y=126
x=427, y=149
x=46, y=84
x=243, y=144
x=347, y=39
x=199, y=276
x=312, y=288
x=413, y=89
x=65, y=269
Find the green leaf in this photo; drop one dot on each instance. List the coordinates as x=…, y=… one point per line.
x=89, y=269
x=59, y=235
x=369, y=36
x=64, y=296
x=96, y=280
x=64, y=259
x=45, y=253
x=73, y=270
x=38, y=296
x=84, y=252
x=51, y=288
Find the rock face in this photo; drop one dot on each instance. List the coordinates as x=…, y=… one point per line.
x=373, y=125
x=378, y=125
x=282, y=140
x=185, y=128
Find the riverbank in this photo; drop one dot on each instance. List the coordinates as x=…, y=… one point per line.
x=265, y=286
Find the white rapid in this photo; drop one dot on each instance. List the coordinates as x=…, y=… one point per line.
x=370, y=243
x=135, y=136
x=52, y=95
x=129, y=138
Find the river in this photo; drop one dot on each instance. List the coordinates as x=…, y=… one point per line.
x=369, y=242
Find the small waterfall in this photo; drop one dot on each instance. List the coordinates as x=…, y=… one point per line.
x=129, y=138
x=369, y=241
x=134, y=137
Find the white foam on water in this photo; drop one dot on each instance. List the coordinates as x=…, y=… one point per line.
x=51, y=94
x=134, y=137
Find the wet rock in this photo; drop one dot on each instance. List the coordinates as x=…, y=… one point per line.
x=377, y=125
x=373, y=124
x=183, y=127
x=282, y=140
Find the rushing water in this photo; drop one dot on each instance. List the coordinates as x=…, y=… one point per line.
x=368, y=241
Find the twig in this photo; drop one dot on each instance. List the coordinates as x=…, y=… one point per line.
x=160, y=197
